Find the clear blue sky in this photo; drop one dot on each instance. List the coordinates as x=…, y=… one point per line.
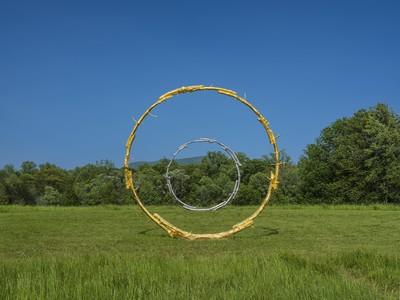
x=74, y=73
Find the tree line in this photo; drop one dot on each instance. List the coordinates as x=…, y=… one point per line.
x=355, y=160
x=48, y=184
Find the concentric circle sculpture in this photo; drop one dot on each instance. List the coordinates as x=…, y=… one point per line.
x=235, y=188
x=172, y=230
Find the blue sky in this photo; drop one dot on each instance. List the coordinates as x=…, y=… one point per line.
x=74, y=73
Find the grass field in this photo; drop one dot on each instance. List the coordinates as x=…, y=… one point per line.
x=292, y=252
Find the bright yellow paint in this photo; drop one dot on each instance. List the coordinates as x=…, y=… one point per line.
x=164, y=224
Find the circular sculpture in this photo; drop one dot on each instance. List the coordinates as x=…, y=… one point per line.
x=235, y=188
x=172, y=230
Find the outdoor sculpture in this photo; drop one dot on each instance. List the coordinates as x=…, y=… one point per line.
x=172, y=230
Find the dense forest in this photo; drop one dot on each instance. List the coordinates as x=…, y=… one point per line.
x=355, y=160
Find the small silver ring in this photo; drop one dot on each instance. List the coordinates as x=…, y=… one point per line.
x=235, y=188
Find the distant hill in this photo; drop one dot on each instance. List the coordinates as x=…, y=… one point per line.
x=180, y=161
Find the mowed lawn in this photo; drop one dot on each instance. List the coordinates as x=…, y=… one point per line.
x=111, y=252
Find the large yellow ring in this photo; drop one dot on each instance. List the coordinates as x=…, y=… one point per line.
x=164, y=224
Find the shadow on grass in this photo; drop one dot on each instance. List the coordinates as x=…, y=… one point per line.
x=258, y=232
x=261, y=232
x=269, y=231
x=153, y=232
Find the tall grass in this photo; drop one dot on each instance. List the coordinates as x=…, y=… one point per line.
x=285, y=276
x=115, y=253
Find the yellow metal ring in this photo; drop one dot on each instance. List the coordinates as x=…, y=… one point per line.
x=172, y=230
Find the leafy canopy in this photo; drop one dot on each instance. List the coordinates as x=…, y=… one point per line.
x=355, y=160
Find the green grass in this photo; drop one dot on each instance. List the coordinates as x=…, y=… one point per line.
x=110, y=252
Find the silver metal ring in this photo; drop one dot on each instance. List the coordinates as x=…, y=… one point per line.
x=235, y=188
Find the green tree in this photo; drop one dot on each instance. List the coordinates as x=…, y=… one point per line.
x=253, y=166
x=225, y=183
x=289, y=182
x=28, y=167
x=247, y=195
x=260, y=183
x=161, y=166
x=179, y=181
x=206, y=193
x=258, y=178
x=20, y=189
x=51, y=175
x=151, y=185
x=212, y=163
x=8, y=169
x=104, y=188
x=355, y=160
x=51, y=197
x=4, y=197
